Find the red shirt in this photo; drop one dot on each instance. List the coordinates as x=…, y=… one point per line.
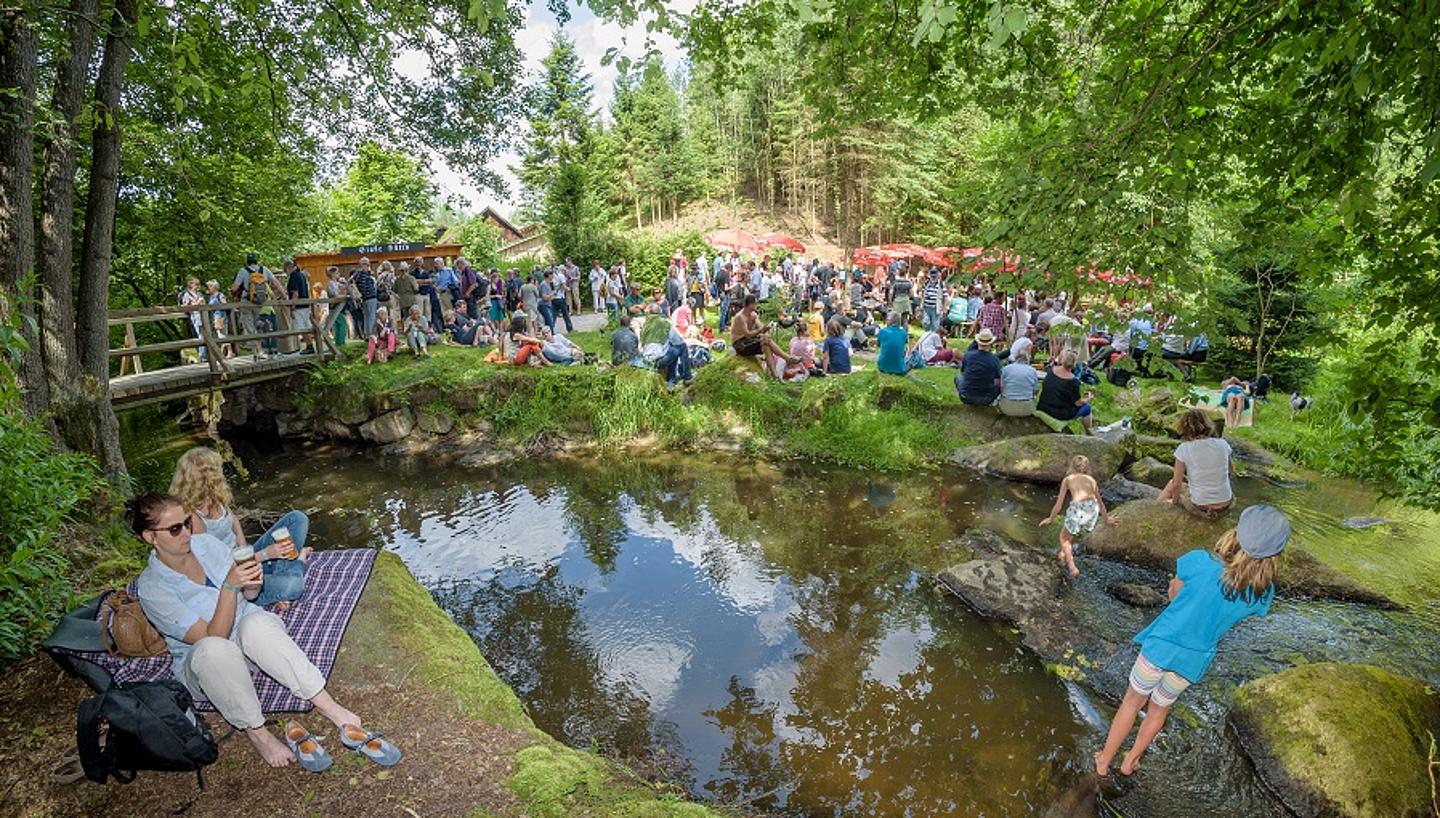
x=992, y=317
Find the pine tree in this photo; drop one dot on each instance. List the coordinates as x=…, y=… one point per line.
x=561, y=123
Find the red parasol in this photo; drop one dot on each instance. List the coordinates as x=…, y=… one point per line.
x=782, y=240
x=871, y=256
x=737, y=240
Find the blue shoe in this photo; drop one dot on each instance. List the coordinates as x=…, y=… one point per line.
x=371, y=745
x=306, y=748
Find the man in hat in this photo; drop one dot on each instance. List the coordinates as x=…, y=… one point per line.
x=979, y=380
x=254, y=285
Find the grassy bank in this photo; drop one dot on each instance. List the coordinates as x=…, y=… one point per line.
x=864, y=419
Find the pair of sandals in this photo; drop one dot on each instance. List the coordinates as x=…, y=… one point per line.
x=315, y=759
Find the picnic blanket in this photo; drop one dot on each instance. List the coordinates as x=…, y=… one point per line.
x=1212, y=398
x=317, y=621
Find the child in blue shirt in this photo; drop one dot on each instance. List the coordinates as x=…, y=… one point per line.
x=1209, y=595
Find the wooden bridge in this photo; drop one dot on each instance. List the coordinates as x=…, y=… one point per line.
x=216, y=370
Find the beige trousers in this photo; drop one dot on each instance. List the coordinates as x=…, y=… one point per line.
x=218, y=668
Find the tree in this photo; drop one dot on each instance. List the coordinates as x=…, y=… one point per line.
x=385, y=196
x=560, y=123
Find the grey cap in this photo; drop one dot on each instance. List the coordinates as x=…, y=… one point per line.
x=1262, y=531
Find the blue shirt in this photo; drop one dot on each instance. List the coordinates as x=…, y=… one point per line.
x=892, y=342
x=174, y=603
x=1183, y=637
x=973, y=307
x=445, y=279
x=1140, y=330
x=837, y=351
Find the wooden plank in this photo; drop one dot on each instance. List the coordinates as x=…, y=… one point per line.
x=140, y=315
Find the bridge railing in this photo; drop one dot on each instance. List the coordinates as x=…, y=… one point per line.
x=318, y=333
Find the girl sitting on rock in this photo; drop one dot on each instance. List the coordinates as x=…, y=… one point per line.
x=1209, y=595
x=1084, y=512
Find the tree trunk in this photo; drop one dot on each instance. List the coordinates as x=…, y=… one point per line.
x=57, y=202
x=18, y=45
x=91, y=323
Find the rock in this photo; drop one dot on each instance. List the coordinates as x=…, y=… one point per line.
x=436, y=423
x=1151, y=472
x=1119, y=490
x=1363, y=522
x=1154, y=534
x=351, y=411
x=1340, y=740
x=1137, y=595
x=1020, y=585
x=1160, y=448
x=291, y=424
x=336, y=430
x=1042, y=458
x=389, y=427
x=488, y=456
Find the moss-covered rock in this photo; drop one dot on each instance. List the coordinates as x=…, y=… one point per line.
x=1151, y=472
x=1042, y=458
x=1120, y=490
x=1340, y=740
x=1154, y=534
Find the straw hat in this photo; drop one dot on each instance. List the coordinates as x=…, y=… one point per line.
x=985, y=338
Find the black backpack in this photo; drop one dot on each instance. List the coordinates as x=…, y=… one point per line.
x=151, y=726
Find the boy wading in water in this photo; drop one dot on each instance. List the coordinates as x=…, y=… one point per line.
x=1209, y=595
x=1084, y=512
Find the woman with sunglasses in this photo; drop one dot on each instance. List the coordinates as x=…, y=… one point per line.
x=199, y=599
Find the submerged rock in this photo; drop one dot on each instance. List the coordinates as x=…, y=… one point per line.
x=1151, y=472
x=1340, y=740
x=1042, y=458
x=1137, y=595
x=1120, y=490
x=1155, y=534
x=1363, y=522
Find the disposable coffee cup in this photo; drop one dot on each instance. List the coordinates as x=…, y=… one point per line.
x=243, y=553
x=284, y=543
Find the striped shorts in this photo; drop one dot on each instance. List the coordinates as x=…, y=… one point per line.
x=1161, y=685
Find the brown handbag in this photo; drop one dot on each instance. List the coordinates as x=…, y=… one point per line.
x=125, y=630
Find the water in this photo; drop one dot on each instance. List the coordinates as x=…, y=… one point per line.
x=769, y=637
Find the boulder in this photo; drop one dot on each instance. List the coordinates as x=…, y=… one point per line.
x=436, y=423
x=350, y=411
x=1154, y=534
x=1119, y=490
x=1151, y=472
x=389, y=427
x=336, y=430
x=1160, y=448
x=1013, y=582
x=1340, y=740
x=1042, y=458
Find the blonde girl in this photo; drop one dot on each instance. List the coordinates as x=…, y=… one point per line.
x=1086, y=509
x=200, y=484
x=1210, y=593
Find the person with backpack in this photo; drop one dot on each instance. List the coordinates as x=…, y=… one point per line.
x=254, y=285
x=198, y=596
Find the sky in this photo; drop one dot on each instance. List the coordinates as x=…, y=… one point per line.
x=592, y=39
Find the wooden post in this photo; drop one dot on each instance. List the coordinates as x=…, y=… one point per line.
x=132, y=361
x=218, y=367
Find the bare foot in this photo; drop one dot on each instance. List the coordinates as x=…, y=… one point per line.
x=1129, y=765
x=331, y=709
x=1074, y=572
x=269, y=747
x=282, y=606
x=305, y=553
x=1102, y=770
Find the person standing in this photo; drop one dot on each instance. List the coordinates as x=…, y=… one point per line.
x=338, y=287
x=931, y=301
x=470, y=285
x=444, y=295
x=572, y=290
x=362, y=283
x=597, y=286
x=992, y=316
x=530, y=303
x=560, y=297
x=254, y=285
x=424, y=286
x=297, y=288
x=191, y=296
x=722, y=291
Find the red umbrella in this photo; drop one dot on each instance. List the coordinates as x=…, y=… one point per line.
x=870, y=257
x=737, y=240
x=782, y=240
x=972, y=252
x=907, y=249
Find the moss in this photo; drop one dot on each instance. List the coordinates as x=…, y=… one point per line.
x=400, y=632
x=1350, y=740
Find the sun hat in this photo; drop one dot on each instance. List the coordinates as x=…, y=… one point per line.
x=1262, y=531
x=518, y=314
x=985, y=338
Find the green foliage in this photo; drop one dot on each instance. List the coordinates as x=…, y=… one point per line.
x=647, y=255
x=561, y=124
x=1266, y=320
x=385, y=196
x=39, y=490
x=482, y=242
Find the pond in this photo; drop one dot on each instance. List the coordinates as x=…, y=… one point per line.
x=770, y=636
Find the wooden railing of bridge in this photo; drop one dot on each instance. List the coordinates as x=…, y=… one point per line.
x=216, y=371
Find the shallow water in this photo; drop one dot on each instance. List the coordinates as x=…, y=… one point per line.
x=768, y=636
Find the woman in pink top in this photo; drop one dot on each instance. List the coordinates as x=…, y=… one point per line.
x=802, y=349
x=683, y=318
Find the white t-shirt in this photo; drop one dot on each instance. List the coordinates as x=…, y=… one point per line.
x=930, y=343
x=1207, y=469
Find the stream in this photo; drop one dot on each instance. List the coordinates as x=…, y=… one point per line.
x=770, y=636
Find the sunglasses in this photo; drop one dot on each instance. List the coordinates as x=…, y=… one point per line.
x=174, y=530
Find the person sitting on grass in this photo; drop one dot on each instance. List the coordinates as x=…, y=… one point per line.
x=835, y=354
x=520, y=348
x=558, y=349
x=1210, y=594
x=415, y=333
x=381, y=343
x=751, y=339
x=201, y=600
x=978, y=383
x=803, y=349
x=1085, y=510
x=933, y=349
x=892, y=341
x=683, y=318
x=674, y=363
x=1204, y=465
x=1060, y=396
x=467, y=331
x=624, y=344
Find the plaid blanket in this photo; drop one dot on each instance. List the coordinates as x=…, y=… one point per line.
x=333, y=582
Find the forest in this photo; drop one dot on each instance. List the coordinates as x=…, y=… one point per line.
x=1252, y=159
